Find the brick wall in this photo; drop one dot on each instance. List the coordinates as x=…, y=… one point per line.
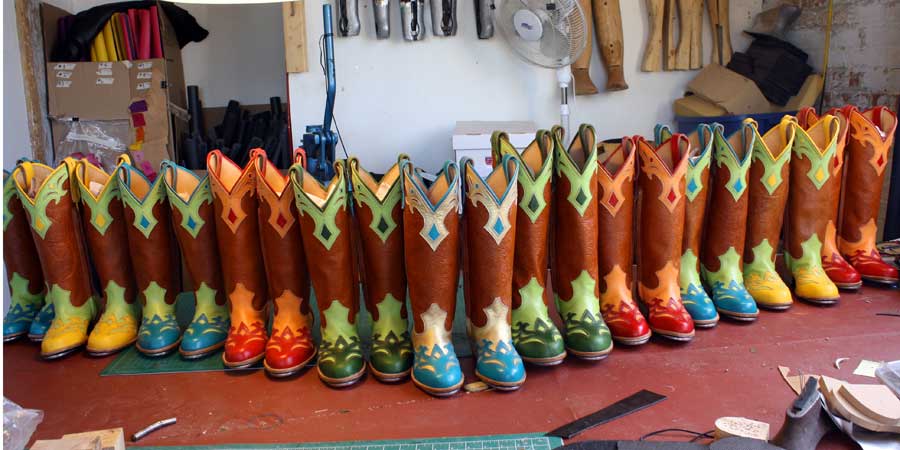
x=864, y=60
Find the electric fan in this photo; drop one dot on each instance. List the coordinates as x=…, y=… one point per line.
x=549, y=33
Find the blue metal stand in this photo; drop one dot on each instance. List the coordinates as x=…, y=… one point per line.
x=319, y=140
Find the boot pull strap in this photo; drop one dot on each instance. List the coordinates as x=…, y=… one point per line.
x=662, y=133
x=123, y=158
x=169, y=173
x=300, y=156
x=258, y=157
x=498, y=138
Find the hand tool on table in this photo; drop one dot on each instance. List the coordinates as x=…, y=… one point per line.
x=348, y=17
x=653, y=52
x=608, y=23
x=484, y=18
x=412, y=14
x=581, y=68
x=381, y=9
x=443, y=17
x=721, y=30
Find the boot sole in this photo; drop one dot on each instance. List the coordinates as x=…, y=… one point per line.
x=680, y=337
x=342, y=382
x=159, y=351
x=633, y=340
x=288, y=371
x=821, y=301
x=61, y=353
x=709, y=323
x=36, y=337
x=389, y=377
x=13, y=337
x=242, y=364
x=775, y=307
x=591, y=356
x=101, y=353
x=500, y=385
x=881, y=280
x=848, y=286
x=545, y=362
x=197, y=354
x=445, y=392
x=743, y=317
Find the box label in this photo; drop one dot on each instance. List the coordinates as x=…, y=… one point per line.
x=145, y=65
x=143, y=86
x=63, y=74
x=144, y=75
x=105, y=72
x=64, y=66
x=106, y=80
x=63, y=83
x=104, y=65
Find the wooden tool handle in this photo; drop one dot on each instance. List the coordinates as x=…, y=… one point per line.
x=581, y=69
x=653, y=51
x=671, y=14
x=685, y=23
x=608, y=22
x=725, y=22
x=696, y=37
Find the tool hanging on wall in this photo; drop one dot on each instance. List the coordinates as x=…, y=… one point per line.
x=653, y=52
x=669, y=17
x=381, y=9
x=720, y=26
x=690, y=23
x=443, y=17
x=608, y=23
x=484, y=18
x=581, y=68
x=412, y=14
x=348, y=17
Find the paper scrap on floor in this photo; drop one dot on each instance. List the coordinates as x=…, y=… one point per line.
x=867, y=368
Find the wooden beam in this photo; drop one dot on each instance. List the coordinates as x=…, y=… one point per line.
x=294, y=16
x=31, y=49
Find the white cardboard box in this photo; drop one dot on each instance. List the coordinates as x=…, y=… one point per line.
x=473, y=140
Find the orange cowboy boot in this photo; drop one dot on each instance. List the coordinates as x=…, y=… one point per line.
x=291, y=346
x=836, y=267
x=868, y=151
x=661, y=213
x=380, y=224
x=615, y=219
x=237, y=233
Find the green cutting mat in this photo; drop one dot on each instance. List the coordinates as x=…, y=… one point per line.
x=532, y=441
x=132, y=362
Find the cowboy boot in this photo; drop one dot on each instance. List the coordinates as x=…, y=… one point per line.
x=291, y=345
x=661, y=214
x=243, y=271
x=694, y=297
x=841, y=273
x=431, y=251
x=490, y=229
x=380, y=226
x=812, y=157
x=326, y=226
x=575, y=272
x=768, y=190
x=869, y=143
x=23, y=268
x=723, y=244
x=103, y=222
x=49, y=200
x=534, y=334
x=154, y=257
x=193, y=219
x=615, y=220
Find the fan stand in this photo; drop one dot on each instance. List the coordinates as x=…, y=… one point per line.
x=564, y=76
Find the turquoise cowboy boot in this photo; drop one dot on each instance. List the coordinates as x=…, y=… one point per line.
x=693, y=296
x=728, y=208
x=41, y=323
x=431, y=231
x=152, y=250
x=490, y=208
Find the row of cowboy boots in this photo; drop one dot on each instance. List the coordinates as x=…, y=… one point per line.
x=121, y=222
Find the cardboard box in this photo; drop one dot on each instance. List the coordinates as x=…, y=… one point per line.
x=145, y=92
x=473, y=140
x=729, y=90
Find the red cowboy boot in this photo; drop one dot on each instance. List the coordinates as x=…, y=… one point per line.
x=615, y=219
x=237, y=232
x=661, y=206
x=291, y=346
x=836, y=267
x=868, y=151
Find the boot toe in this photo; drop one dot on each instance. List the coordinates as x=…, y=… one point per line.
x=112, y=333
x=672, y=325
x=437, y=369
x=499, y=364
x=64, y=335
x=391, y=363
x=734, y=300
x=539, y=341
x=202, y=335
x=770, y=295
x=595, y=340
x=698, y=304
x=840, y=272
x=815, y=286
x=158, y=334
x=879, y=271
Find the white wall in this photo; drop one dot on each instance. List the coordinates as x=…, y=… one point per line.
x=396, y=96
x=16, y=141
x=241, y=59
